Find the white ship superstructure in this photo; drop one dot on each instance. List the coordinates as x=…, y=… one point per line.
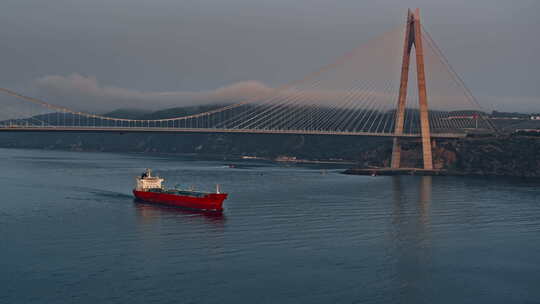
x=147, y=181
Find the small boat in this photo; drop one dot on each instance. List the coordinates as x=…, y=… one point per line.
x=150, y=189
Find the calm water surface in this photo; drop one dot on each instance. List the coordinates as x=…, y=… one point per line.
x=70, y=232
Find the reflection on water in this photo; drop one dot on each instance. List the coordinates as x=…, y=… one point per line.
x=412, y=243
x=407, y=200
x=151, y=212
x=425, y=199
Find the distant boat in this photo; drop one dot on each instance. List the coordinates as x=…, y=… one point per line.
x=150, y=189
x=286, y=159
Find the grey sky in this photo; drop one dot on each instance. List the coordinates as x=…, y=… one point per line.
x=202, y=45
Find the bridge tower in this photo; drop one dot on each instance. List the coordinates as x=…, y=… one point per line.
x=413, y=36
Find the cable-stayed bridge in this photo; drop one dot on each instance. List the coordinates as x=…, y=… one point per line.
x=366, y=92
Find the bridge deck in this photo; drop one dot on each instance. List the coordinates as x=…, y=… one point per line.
x=210, y=130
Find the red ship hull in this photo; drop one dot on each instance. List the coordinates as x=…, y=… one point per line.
x=208, y=202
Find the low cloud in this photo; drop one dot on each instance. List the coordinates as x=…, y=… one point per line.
x=83, y=93
x=86, y=93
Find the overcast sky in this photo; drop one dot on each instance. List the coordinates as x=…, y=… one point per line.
x=160, y=46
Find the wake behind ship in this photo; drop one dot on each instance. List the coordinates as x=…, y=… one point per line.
x=150, y=189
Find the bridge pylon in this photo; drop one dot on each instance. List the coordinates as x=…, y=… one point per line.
x=413, y=36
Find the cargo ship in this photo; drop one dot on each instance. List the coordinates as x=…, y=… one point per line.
x=150, y=189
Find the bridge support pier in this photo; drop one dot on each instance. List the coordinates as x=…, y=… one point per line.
x=396, y=154
x=413, y=36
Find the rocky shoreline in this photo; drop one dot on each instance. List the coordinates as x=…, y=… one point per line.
x=511, y=156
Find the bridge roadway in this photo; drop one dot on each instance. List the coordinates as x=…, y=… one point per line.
x=91, y=129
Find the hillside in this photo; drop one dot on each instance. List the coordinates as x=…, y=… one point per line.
x=507, y=155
